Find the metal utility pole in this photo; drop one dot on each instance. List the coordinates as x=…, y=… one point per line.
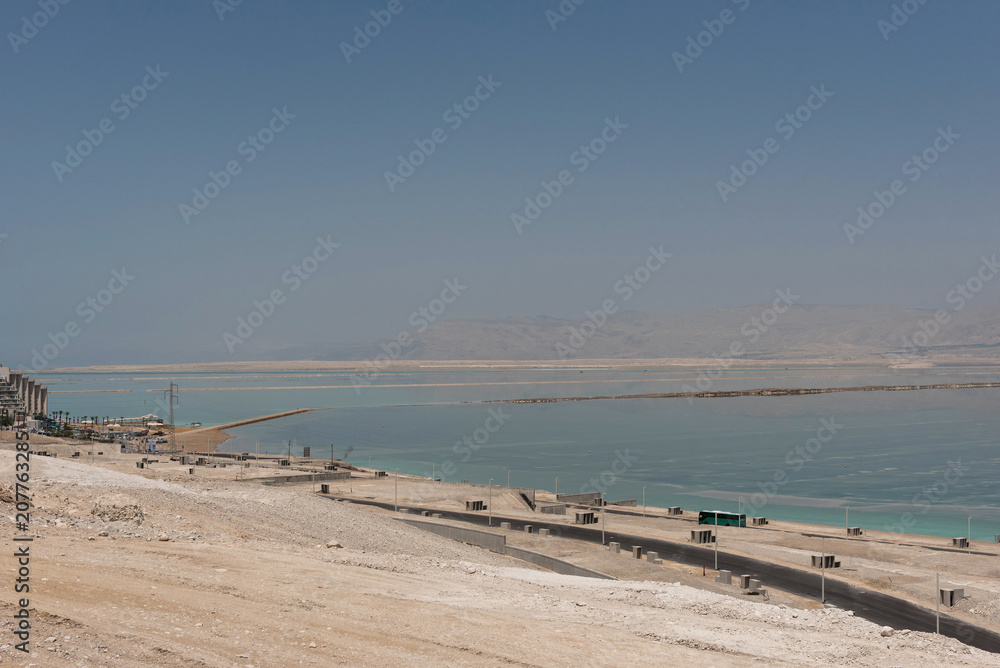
x=937, y=602
x=822, y=565
x=739, y=512
x=643, y=500
x=716, y=540
x=969, y=541
x=557, y=485
x=508, y=479
x=396, y=502
x=604, y=518
x=289, y=451
x=173, y=400
x=489, y=504
x=433, y=467
x=847, y=517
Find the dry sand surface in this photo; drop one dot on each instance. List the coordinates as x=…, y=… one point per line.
x=202, y=570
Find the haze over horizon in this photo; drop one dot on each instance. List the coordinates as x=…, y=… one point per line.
x=306, y=207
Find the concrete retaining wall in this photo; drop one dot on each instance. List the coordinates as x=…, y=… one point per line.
x=589, y=499
x=498, y=543
x=306, y=477
x=553, y=564
x=490, y=541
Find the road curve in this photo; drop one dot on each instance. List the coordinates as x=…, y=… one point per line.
x=874, y=606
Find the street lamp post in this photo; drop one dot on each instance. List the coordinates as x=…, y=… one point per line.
x=937, y=603
x=489, y=504
x=716, y=540
x=643, y=500
x=604, y=518
x=396, y=502
x=822, y=590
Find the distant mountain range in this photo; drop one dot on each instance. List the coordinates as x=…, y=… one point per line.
x=839, y=333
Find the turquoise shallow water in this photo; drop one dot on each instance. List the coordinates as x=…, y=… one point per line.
x=920, y=461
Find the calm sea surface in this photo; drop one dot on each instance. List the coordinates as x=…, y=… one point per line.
x=924, y=461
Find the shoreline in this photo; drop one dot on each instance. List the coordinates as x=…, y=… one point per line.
x=211, y=437
x=759, y=392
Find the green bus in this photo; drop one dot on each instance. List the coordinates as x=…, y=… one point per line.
x=725, y=519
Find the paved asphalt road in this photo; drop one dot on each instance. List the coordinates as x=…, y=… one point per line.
x=875, y=606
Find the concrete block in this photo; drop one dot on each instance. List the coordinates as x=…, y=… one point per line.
x=818, y=561
x=674, y=510
x=587, y=517
x=615, y=547
x=637, y=551
x=528, y=528
x=405, y=511
x=505, y=525
x=758, y=521
x=702, y=536
x=652, y=557
x=543, y=532
x=725, y=577
x=324, y=488
x=191, y=470
x=475, y=506
x=960, y=542
x=425, y=513
x=754, y=585
x=950, y=597
x=744, y=581
x=436, y=516
x=658, y=562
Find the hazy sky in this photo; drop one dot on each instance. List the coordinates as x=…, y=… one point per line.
x=207, y=84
